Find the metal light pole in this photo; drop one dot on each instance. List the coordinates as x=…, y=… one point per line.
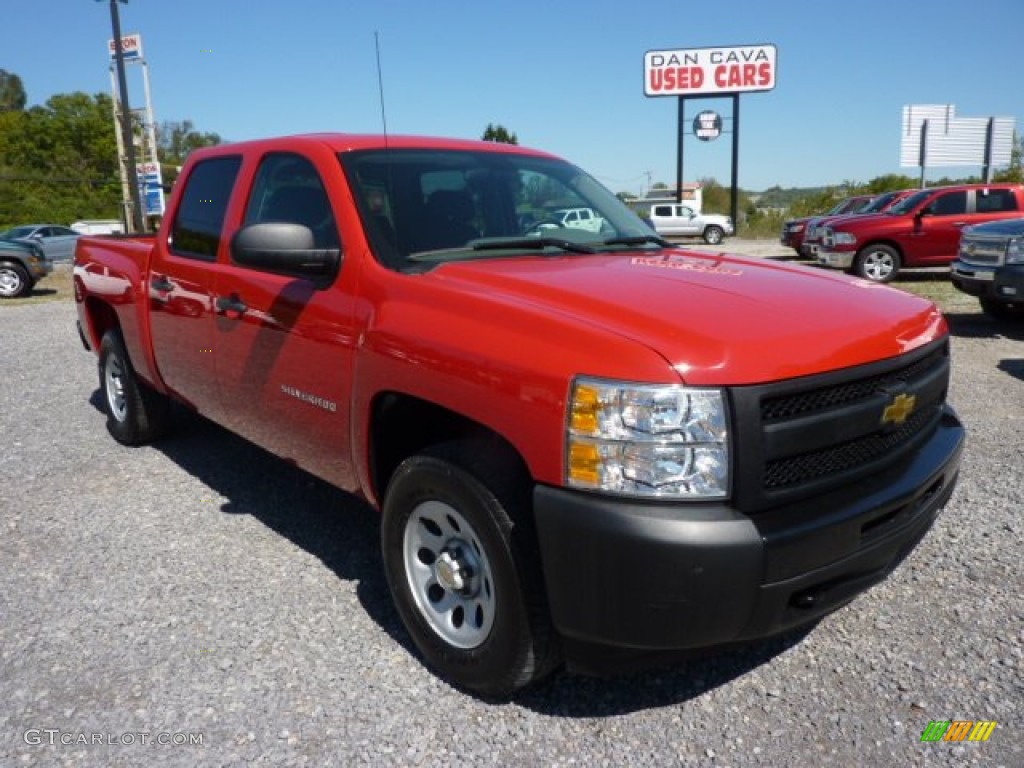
x=136, y=221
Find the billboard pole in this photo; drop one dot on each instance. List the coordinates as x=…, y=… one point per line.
x=136, y=222
x=679, y=150
x=734, y=195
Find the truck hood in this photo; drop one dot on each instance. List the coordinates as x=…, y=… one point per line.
x=1004, y=228
x=716, y=319
x=864, y=220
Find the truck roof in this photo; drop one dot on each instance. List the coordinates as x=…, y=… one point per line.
x=347, y=142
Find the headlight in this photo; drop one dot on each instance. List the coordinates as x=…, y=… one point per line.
x=796, y=227
x=1015, y=251
x=661, y=441
x=844, y=238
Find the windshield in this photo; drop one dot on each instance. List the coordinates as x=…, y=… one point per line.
x=907, y=204
x=437, y=205
x=880, y=202
x=17, y=232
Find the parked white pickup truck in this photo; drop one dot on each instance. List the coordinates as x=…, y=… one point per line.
x=676, y=219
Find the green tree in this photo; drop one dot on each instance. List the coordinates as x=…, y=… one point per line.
x=175, y=140
x=499, y=134
x=12, y=92
x=59, y=161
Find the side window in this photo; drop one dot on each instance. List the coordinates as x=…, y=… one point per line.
x=995, y=200
x=663, y=210
x=288, y=188
x=200, y=217
x=950, y=204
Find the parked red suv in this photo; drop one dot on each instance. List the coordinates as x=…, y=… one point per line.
x=923, y=230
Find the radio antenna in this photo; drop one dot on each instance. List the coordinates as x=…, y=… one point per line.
x=380, y=87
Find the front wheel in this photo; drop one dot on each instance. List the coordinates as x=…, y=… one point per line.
x=136, y=413
x=713, y=235
x=878, y=263
x=464, y=572
x=14, y=280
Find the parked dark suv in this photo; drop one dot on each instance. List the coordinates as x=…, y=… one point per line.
x=990, y=265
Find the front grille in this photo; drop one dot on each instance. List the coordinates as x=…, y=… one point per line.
x=804, y=403
x=799, y=437
x=840, y=458
x=983, y=251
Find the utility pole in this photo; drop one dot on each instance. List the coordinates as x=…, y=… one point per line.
x=136, y=222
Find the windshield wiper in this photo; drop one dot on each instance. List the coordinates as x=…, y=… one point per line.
x=640, y=240
x=533, y=243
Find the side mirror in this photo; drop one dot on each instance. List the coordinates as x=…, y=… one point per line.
x=286, y=249
x=926, y=211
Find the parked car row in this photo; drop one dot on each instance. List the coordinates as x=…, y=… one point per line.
x=795, y=230
x=977, y=229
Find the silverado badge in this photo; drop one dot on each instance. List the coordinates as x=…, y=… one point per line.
x=897, y=411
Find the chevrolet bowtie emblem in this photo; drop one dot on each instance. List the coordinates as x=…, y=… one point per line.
x=899, y=409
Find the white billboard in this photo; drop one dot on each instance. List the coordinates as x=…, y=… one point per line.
x=953, y=141
x=702, y=71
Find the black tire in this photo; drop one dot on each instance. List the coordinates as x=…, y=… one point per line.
x=136, y=413
x=1006, y=311
x=462, y=564
x=713, y=235
x=877, y=263
x=14, y=280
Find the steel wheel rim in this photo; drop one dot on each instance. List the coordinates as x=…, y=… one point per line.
x=10, y=283
x=113, y=376
x=878, y=265
x=448, y=574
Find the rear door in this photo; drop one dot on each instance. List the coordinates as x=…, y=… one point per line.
x=181, y=283
x=59, y=243
x=285, y=346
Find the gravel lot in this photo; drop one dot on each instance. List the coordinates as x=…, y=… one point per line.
x=201, y=590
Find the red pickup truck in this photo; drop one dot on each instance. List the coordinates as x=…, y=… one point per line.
x=922, y=230
x=585, y=445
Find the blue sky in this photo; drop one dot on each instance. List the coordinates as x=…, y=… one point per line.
x=565, y=77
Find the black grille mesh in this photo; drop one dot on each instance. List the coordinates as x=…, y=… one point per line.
x=839, y=458
x=791, y=406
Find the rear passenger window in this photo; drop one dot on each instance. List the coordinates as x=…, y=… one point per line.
x=995, y=200
x=663, y=210
x=200, y=217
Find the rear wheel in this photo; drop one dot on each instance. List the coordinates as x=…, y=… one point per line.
x=136, y=413
x=14, y=280
x=713, y=235
x=463, y=570
x=1003, y=310
x=878, y=263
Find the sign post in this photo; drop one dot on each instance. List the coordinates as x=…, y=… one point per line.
x=699, y=73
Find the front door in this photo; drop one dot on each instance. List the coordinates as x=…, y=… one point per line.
x=285, y=346
x=936, y=233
